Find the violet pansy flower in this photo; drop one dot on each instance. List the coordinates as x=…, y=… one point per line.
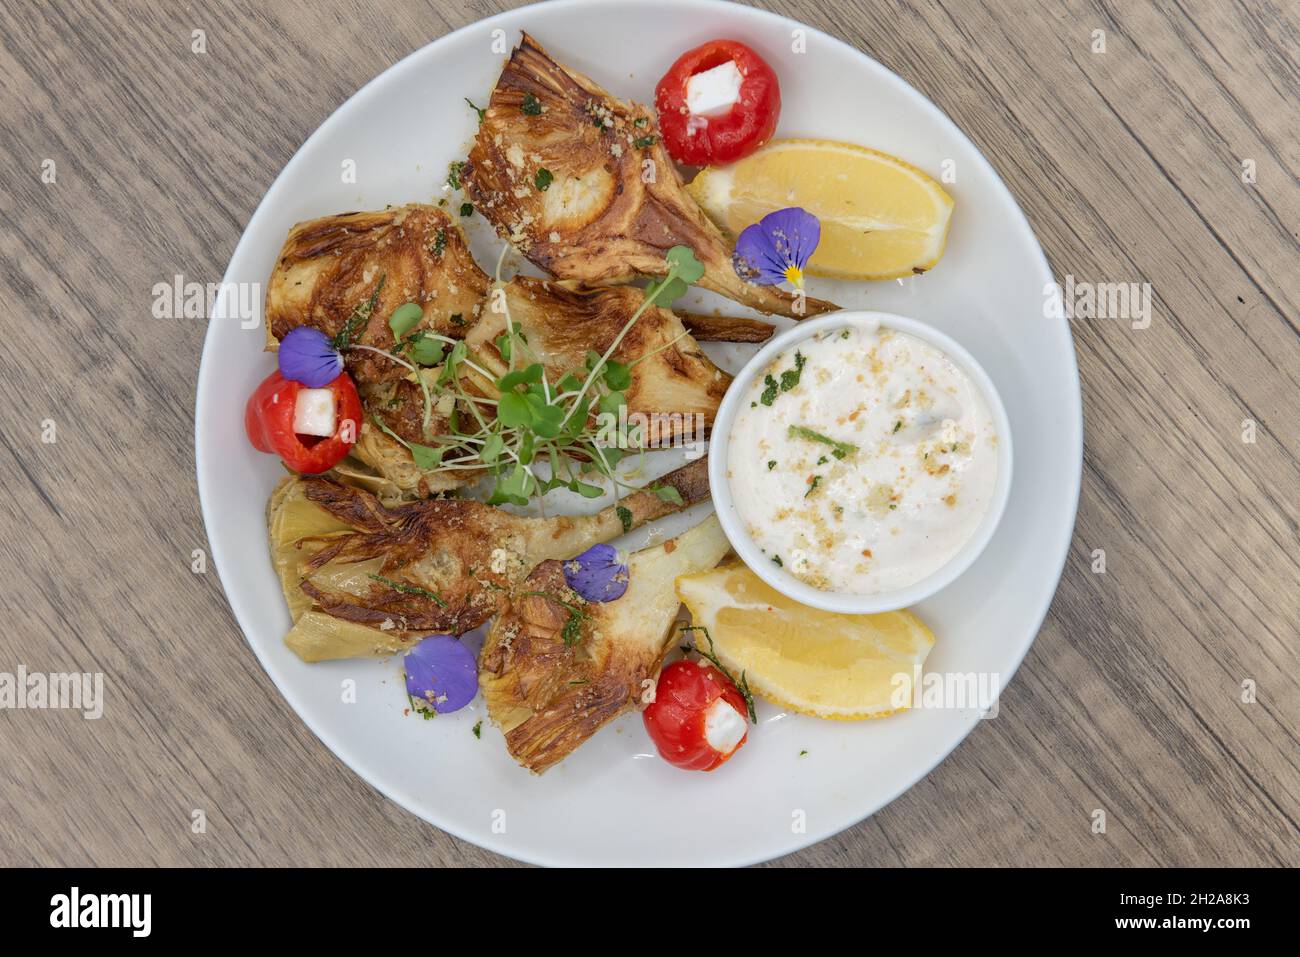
x=308, y=356
x=441, y=674
x=598, y=574
x=777, y=247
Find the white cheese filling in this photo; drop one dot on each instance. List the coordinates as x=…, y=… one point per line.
x=313, y=412
x=714, y=92
x=724, y=727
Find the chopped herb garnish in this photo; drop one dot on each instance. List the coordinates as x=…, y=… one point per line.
x=777, y=560
x=572, y=630
x=812, y=486
x=531, y=106
x=641, y=142
x=898, y=425
x=478, y=725
x=742, y=685
x=360, y=316
x=802, y=753
x=466, y=210
x=453, y=174
x=838, y=449
x=481, y=112
x=543, y=180
x=640, y=121
x=624, y=517
x=406, y=589
x=457, y=319
x=789, y=379
x=771, y=464
x=439, y=242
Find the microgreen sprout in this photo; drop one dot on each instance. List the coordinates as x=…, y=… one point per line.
x=509, y=422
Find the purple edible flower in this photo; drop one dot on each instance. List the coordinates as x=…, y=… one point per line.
x=597, y=574
x=307, y=356
x=776, y=248
x=441, y=674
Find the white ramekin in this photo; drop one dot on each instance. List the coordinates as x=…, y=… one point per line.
x=783, y=581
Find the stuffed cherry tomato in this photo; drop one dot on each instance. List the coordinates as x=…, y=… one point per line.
x=698, y=719
x=718, y=103
x=311, y=429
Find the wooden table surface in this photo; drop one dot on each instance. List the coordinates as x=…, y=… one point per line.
x=1134, y=165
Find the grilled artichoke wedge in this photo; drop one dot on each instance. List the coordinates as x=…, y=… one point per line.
x=614, y=203
x=363, y=579
x=548, y=695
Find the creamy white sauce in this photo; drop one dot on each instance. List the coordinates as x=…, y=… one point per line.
x=904, y=486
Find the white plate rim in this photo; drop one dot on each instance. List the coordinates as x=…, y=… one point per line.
x=1074, y=422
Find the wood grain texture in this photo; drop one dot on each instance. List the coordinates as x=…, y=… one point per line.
x=1128, y=164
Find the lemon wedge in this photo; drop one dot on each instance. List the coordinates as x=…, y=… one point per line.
x=815, y=662
x=881, y=218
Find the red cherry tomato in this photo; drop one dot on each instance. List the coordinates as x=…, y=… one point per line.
x=268, y=420
x=712, y=140
x=685, y=697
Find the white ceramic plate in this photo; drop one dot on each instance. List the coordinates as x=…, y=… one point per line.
x=613, y=801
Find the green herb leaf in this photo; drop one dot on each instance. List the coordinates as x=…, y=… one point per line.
x=466, y=210
x=453, y=174
x=425, y=456
x=624, y=517
x=771, y=464
x=667, y=493
x=407, y=589
x=492, y=449
x=790, y=378
x=531, y=106
x=404, y=318
x=838, y=449
x=478, y=725
x=689, y=269
x=617, y=375
x=543, y=180
x=812, y=487
x=587, y=490
x=482, y=114
x=528, y=374
x=513, y=411
x=449, y=368
x=515, y=488
x=359, y=316
x=425, y=350
x=505, y=345
x=641, y=142
x=547, y=419
x=611, y=402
